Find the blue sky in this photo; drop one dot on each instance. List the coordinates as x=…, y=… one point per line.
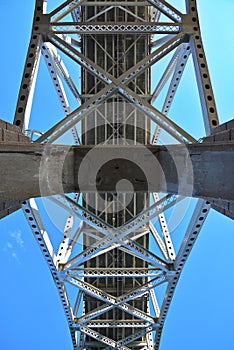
x=201, y=315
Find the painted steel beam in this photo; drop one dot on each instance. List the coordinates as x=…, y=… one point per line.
x=116, y=323
x=113, y=302
x=207, y=99
x=115, y=28
x=172, y=173
x=97, y=272
x=26, y=91
x=116, y=85
x=167, y=9
x=118, y=236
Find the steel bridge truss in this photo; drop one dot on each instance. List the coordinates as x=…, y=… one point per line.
x=59, y=37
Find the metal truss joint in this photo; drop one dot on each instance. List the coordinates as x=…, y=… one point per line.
x=62, y=276
x=42, y=25
x=188, y=24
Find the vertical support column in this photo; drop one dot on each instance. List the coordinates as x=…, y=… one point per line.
x=26, y=92
x=206, y=94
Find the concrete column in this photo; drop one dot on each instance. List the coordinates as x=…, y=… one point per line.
x=10, y=133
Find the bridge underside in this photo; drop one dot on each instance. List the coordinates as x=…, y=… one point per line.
x=116, y=251
x=115, y=123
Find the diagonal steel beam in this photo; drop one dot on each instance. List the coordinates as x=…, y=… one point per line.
x=32, y=215
x=134, y=336
x=158, y=240
x=107, y=307
x=120, y=83
x=103, y=339
x=111, y=301
x=176, y=78
x=64, y=9
x=165, y=232
x=166, y=75
x=167, y=9
x=63, y=70
x=115, y=236
x=142, y=290
x=77, y=115
x=98, y=14
x=133, y=73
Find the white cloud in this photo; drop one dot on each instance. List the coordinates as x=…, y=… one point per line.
x=18, y=238
x=11, y=246
x=14, y=256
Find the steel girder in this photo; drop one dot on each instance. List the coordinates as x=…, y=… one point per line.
x=49, y=33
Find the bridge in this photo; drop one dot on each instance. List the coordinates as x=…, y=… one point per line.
x=90, y=333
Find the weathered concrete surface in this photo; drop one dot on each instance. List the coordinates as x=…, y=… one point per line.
x=223, y=133
x=200, y=170
x=10, y=133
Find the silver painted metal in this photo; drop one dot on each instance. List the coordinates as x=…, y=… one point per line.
x=32, y=215
x=49, y=55
x=67, y=243
x=135, y=336
x=116, y=3
x=161, y=41
x=26, y=92
x=166, y=75
x=93, y=314
x=77, y=303
x=194, y=227
x=64, y=251
x=207, y=99
x=133, y=14
x=158, y=240
x=97, y=14
x=53, y=53
x=144, y=288
x=155, y=303
x=116, y=235
x=165, y=232
x=167, y=9
x=183, y=38
x=177, y=64
x=102, y=338
x=144, y=254
x=113, y=302
x=119, y=323
x=120, y=302
x=114, y=84
x=176, y=67
x=177, y=75
x=113, y=272
x=103, y=28
x=64, y=9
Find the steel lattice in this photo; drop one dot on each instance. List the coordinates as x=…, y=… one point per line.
x=118, y=78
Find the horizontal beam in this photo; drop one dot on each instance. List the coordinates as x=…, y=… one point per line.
x=117, y=3
x=201, y=170
x=113, y=272
x=114, y=324
x=113, y=28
